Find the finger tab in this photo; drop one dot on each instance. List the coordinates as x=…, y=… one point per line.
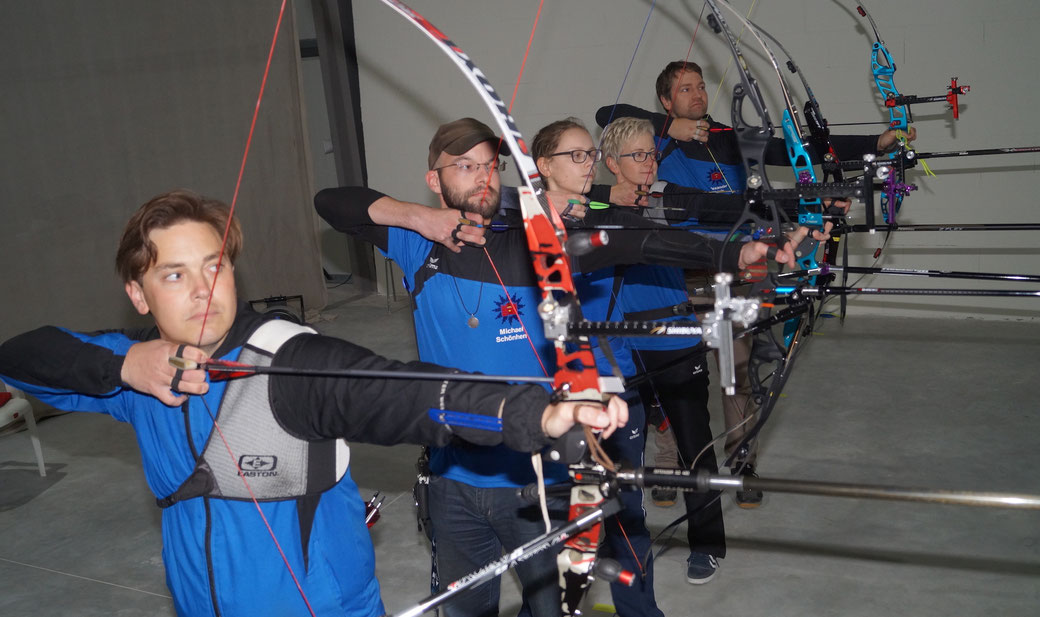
x=183, y=364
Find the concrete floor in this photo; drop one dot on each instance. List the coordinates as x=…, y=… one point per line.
x=910, y=402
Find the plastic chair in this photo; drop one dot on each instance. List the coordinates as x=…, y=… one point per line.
x=14, y=405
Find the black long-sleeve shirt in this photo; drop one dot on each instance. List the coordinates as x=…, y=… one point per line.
x=633, y=239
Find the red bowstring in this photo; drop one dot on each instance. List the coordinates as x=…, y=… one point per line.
x=242, y=167
x=509, y=110
x=516, y=88
x=516, y=311
x=487, y=187
x=220, y=260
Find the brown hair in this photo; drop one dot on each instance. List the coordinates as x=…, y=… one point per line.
x=666, y=80
x=137, y=252
x=548, y=138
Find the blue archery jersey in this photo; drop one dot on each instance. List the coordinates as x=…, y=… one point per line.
x=218, y=553
x=594, y=292
x=643, y=287
x=698, y=172
x=450, y=289
x=647, y=287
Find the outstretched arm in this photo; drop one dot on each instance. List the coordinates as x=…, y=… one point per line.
x=391, y=411
x=53, y=360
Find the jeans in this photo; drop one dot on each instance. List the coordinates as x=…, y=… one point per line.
x=472, y=526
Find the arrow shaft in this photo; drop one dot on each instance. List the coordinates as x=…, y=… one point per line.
x=947, y=227
x=982, y=276
x=218, y=371
x=894, y=291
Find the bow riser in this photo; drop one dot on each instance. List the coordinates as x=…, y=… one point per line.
x=898, y=115
x=576, y=374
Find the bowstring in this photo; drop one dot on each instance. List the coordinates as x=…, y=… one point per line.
x=624, y=80
x=220, y=261
x=592, y=443
x=718, y=494
x=675, y=90
x=487, y=186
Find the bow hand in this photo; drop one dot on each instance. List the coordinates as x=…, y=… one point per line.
x=558, y=418
x=890, y=139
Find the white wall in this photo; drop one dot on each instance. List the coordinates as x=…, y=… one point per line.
x=581, y=49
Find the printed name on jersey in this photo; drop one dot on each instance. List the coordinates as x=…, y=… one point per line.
x=510, y=334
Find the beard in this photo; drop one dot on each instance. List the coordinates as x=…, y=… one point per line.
x=482, y=201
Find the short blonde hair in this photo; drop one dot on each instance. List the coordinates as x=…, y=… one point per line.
x=620, y=132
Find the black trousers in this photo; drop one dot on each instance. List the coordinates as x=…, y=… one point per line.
x=681, y=388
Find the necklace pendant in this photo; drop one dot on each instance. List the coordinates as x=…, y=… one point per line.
x=473, y=322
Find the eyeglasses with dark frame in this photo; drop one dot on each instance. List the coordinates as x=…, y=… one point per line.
x=580, y=156
x=640, y=157
x=467, y=167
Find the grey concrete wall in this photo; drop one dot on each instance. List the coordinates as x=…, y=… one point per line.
x=105, y=104
x=582, y=48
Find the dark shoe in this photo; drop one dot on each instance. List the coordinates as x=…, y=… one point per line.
x=701, y=568
x=748, y=499
x=663, y=497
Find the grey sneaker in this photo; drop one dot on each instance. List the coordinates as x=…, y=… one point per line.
x=701, y=568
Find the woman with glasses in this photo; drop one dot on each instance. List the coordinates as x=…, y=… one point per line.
x=679, y=386
x=566, y=157
x=632, y=157
x=466, y=316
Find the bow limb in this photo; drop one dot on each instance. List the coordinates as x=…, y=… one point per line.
x=576, y=376
x=810, y=210
x=546, y=235
x=884, y=69
x=820, y=137
x=819, y=133
x=753, y=141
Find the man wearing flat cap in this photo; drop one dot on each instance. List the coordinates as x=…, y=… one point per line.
x=463, y=314
x=475, y=299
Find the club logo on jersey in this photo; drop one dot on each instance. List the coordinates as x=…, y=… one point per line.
x=715, y=175
x=508, y=310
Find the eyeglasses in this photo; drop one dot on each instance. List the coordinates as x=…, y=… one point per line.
x=467, y=167
x=640, y=157
x=580, y=156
